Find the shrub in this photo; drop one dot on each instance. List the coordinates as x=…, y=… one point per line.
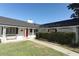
x=59, y=37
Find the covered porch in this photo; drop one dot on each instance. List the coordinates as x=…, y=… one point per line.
x=13, y=33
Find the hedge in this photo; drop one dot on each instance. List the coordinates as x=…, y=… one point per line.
x=59, y=37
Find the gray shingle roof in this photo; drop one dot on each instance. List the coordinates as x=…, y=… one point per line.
x=14, y=22
x=70, y=22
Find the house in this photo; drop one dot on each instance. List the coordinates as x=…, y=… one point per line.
x=71, y=25
x=16, y=30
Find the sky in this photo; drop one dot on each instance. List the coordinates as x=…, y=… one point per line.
x=39, y=13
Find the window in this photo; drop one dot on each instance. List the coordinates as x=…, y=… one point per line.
x=35, y=30
x=52, y=30
x=16, y=30
x=11, y=30
x=48, y=30
x=30, y=31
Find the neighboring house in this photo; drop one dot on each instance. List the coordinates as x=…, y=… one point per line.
x=16, y=30
x=71, y=25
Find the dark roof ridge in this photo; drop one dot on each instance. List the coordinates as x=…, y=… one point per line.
x=60, y=21
x=69, y=22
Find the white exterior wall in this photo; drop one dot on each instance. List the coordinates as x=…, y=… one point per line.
x=59, y=29
x=66, y=29
x=18, y=37
x=31, y=36
x=21, y=33
x=74, y=29
x=43, y=29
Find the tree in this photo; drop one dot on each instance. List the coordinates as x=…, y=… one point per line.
x=75, y=8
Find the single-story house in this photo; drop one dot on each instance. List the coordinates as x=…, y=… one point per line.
x=16, y=30
x=71, y=25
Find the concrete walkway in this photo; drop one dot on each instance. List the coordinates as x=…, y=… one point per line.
x=58, y=48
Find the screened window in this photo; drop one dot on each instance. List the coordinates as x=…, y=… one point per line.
x=11, y=30
x=30, y=31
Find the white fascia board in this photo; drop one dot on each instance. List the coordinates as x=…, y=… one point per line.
x=12, y=26
x=31, y=28
x=65, y=26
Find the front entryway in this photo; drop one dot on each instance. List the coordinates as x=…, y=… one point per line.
x=26, y=32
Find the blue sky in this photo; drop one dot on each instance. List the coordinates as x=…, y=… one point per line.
x=39, y=13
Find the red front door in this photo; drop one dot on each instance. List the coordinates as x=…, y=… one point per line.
x=26, y=32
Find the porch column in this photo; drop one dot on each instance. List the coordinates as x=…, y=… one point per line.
x=28, y=31
x=76, y=33
x=32, y=31
x=4, y=34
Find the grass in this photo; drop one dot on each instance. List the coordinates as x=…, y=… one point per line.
x=27, y=48
x=75, y=49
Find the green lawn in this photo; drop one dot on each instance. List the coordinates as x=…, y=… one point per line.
x=27, y=48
